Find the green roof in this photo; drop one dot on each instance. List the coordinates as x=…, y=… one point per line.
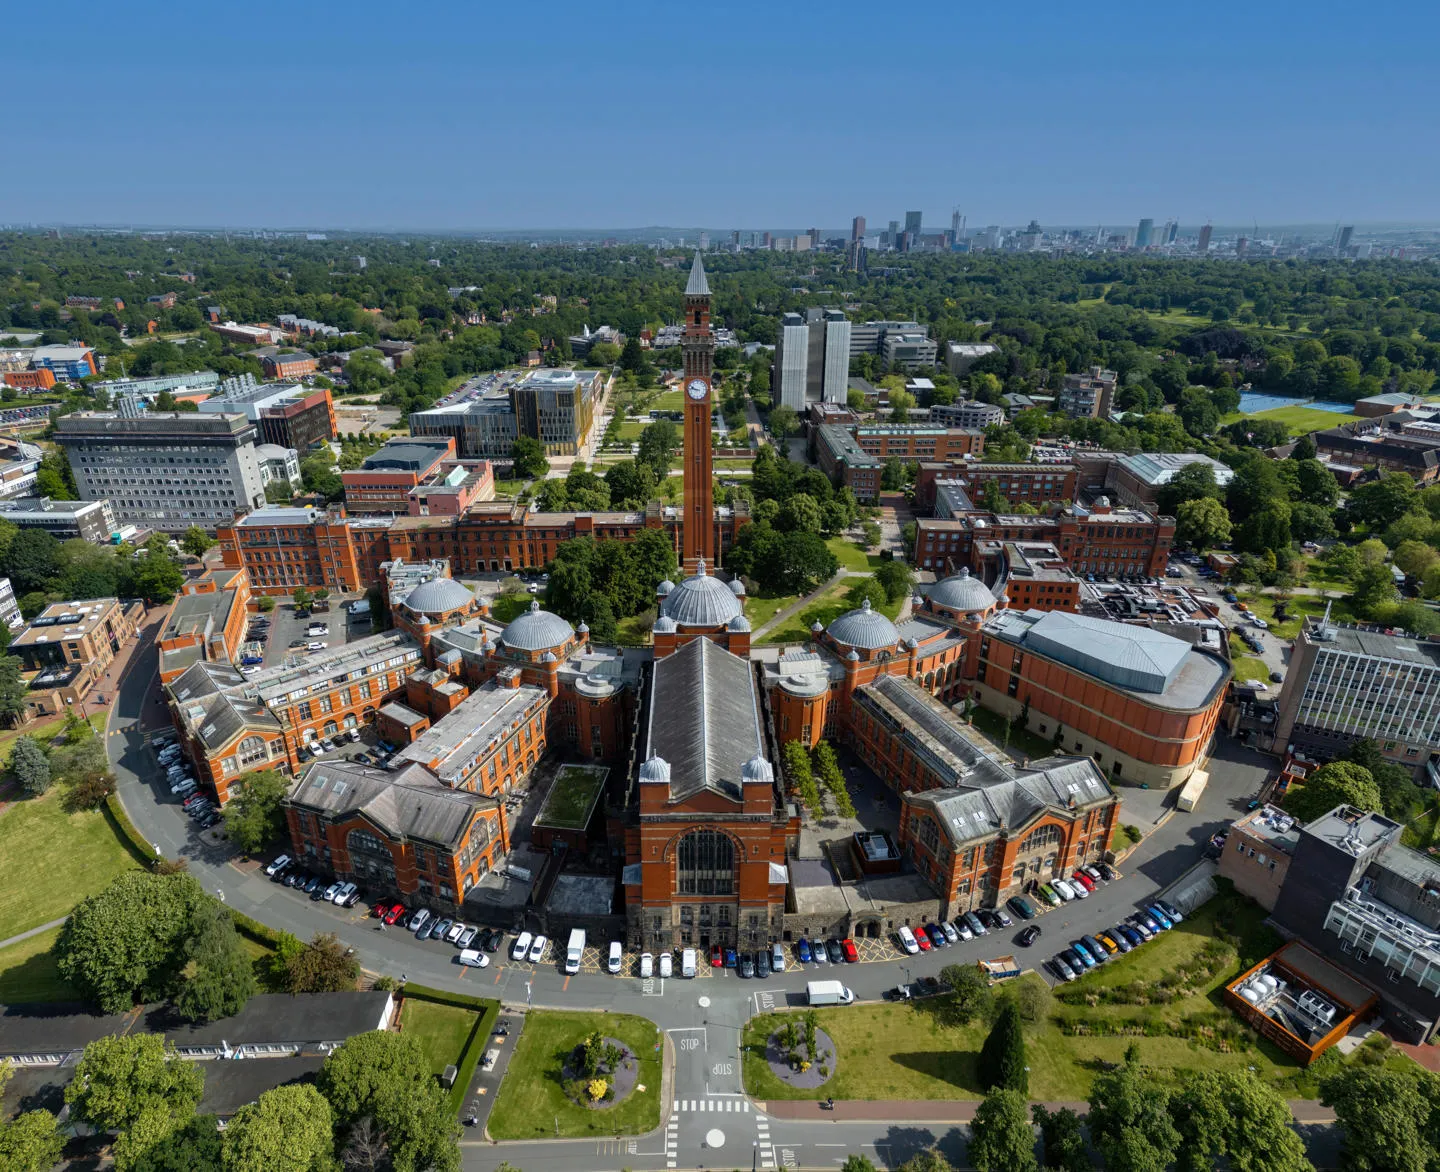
x=572, y=798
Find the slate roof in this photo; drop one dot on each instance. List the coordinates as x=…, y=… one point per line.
x=536, y=630
x=438, y=595
x=697, y=286
x=704, y=719
x=864, y=628
x=409, y=804
x=701, y=601
x=452, y=744
x=206, y=697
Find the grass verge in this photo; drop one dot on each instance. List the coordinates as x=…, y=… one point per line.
x=850, y=556
x=824, y=610
x=27, y=972
x=532, y=1103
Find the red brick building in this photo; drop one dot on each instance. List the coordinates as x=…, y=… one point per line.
x=293, y=366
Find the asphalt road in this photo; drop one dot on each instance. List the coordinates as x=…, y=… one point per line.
x=708, y=1122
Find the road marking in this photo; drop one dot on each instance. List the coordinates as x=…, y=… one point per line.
x=566, y=985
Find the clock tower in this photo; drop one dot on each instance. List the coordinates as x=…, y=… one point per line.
x=697, y=530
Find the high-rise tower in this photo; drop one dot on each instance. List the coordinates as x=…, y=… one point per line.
x=697, y=533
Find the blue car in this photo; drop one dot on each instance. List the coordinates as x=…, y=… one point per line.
x=730, y=958
x=1083, y=953
x=1131, y=935
x=247, y=660
x=1164, y=920
x=802, y=950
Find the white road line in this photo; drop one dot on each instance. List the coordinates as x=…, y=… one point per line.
x=677, y=1104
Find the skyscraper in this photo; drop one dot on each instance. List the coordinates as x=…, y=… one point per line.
x=1204, y=245
x=1144, y=232
x=792, y=360
x=912, y=231
x=812, y=357
x=698, y=348
x=1172, y=229
x=957, y=225
x=1345, y=236
x=857, y=228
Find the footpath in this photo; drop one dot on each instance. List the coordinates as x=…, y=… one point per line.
x=950, y=1110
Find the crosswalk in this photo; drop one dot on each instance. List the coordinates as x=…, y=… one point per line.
x=716, y=1105
x=762, y=1133
x=672, y=1141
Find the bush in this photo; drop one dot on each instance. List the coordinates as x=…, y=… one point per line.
x=90, y=793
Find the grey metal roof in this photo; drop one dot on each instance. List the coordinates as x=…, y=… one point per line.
x=452, y=745
x=704, y=721
x=438, y=596
x=697, y=286
x=701, y=601
x=865, y=628
x=962, y=592
x=537, y=630
x=409, y=804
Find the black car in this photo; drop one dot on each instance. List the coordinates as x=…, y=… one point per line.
x=747, y=965
x=1108, y=871
x=834, y=951
x=1028, y=936
x=492, y=939
x=762, y=963
x=312, y=885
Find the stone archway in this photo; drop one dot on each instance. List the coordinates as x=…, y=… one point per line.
x=868, y=929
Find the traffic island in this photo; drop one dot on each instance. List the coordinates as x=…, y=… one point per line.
x=544, y=1093
x=800, y=1054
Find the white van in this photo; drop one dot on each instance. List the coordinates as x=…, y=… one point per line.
x=687, y=963
x=574, y=950
x=614, y=959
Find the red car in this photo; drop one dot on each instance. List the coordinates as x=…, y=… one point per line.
x=851, y=955
x=922, y=938
x=395, y=913
x=1084, y=880
x=379, y=910
x=717, y=956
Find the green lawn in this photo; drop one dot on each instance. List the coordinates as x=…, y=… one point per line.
x=1244, y=665
x=761, y=608
x=532, y=1100
x=1296, y=608
x=909, y=1051
x=1297, y=419
x=507, y=607
x=572, y=797
x=995, y=727
x=825, y=609
x=510, y=487
x=27, y=972
x=850, y=556
x=77, y=855
x=442, y=1030
x=733, y=464
x=632, y=632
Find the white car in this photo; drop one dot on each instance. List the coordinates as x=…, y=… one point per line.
x=1257, y=621
x=473, y=958
x=907, y=940
x=537, y=950
x=647, y=965
x=345, y=892
x=613, y=960
x=332, y=891
x=1063, y=889
x=687, y=963
x=314, y=645
x=457, y=929
x=467, y=937
x=521, y=946
x=278, y=865
x=667, y=965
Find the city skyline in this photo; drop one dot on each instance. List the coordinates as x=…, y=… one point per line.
x=1146, y=113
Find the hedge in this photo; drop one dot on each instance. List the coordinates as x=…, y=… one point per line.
x=135, y=842
x=487, y=1009
x=254, y=929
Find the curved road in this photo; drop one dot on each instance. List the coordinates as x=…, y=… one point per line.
x=702, y=1017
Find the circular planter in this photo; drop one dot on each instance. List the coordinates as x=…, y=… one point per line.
x=622, y=1080
x=793, y=1076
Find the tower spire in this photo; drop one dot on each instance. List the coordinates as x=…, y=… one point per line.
x=697, y=286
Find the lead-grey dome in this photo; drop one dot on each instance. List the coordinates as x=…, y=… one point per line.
x=737, y=587
x=438, y=596
x=864, y=628
x=700, y=601
x=962, y=592
x=537, y=630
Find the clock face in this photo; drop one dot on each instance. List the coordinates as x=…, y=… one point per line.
x=698, y=388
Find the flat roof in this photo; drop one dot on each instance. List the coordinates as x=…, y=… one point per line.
x=1372, y=643
x=66, y=620
x=572, y=797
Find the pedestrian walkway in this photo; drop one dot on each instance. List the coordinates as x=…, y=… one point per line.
x=32, y=932
x=717, y=1105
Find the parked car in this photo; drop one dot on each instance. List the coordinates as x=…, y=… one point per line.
x=440, y=927
x=1170, y=910
x=817, y=952
x=521, y=948
x=314, y=645
x=747, y=965
x=274, y=869
x=834, y=951
x=977, y=925
x=496, y=939
x=687, y=963
x=717, y=956
x=457, y=929
x=1114, y=940
x=1088, y=960
x=1107, y=872
x=762, y=962
x=251, y=660
x=906, y=937
x=732, y=960
x=802, y=947
x=1028, y=936
x=1276, y=677
x=963, y=930
x=394, y=913
x=353, y=898
x=1097, y=950
x=614, y=957
x=1144, y=925
x=473, y=959
x=1131, y=933
x=1062, y=968
x=1158, y=914
x=1021, y=907
x=852, y=954
x=777, y=958
x=1084, y=881
x=667, y=964
x=537, y=949
x=952, y=936
x=647, y=965
x=1050, y=895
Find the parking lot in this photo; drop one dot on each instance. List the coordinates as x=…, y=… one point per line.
x=287, y=628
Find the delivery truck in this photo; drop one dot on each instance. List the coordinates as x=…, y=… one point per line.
x=574, y=950
x=828, y=993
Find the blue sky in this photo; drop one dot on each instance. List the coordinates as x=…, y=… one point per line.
x=755, y=116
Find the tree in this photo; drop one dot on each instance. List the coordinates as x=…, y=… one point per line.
x=1191, y=482
x=1062, y=1140
x=1032, y=999
x=1129, y=1119
x=218, y=977
x=196, y=541
x=971, y=996
x=387, y=1077
x=1415, y=558
x=301, y=597
x=157, y=578
x=1232, y=1117
x=253, y=816
x=31, y=1142
x=657, y=447
x=930, y=1160
x=1001, y=1139
x=896, y=578
x=322, y=966
x=1340, y=783
x=1399, y=794
x=1372, y=586
x=1202, y=523
x=801, y=513
x=30, y=766
x=1315, y=483
x=1383, y=1117
x=632, y=484
x=1266, y=529
x=528, y=456
x=121, y=1079
x=13, y=689
x=1380, y=503
x=30, y=562
x=1001, y=1063
x=191, y=1145
x=866, y=590
x=783, y=422
x=901, y=403
x=286, y=1130
x=1311, y=522
x=1304, y=448
x=128, y=938
x=80, y=761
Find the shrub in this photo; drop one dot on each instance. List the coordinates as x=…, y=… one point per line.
x=90, y=793
x=597, y=1089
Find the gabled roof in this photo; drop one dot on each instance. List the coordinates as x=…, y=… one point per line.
x=704, y=720
x=410, y=803
x=697, y=286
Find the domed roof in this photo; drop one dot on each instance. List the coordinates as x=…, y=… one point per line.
x=438, y=596
x=864, y=628
x=664, y=625
x=962, y=592
x=583, y=628
x=739, y=623
x=537, y=630
x=737, y=587
x=700, y=601
x=665, y=587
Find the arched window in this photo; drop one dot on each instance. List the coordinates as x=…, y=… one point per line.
x=370, y=857
x=331, y=728
x=1046, y=836
x=706, y=864
x=252, y=749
